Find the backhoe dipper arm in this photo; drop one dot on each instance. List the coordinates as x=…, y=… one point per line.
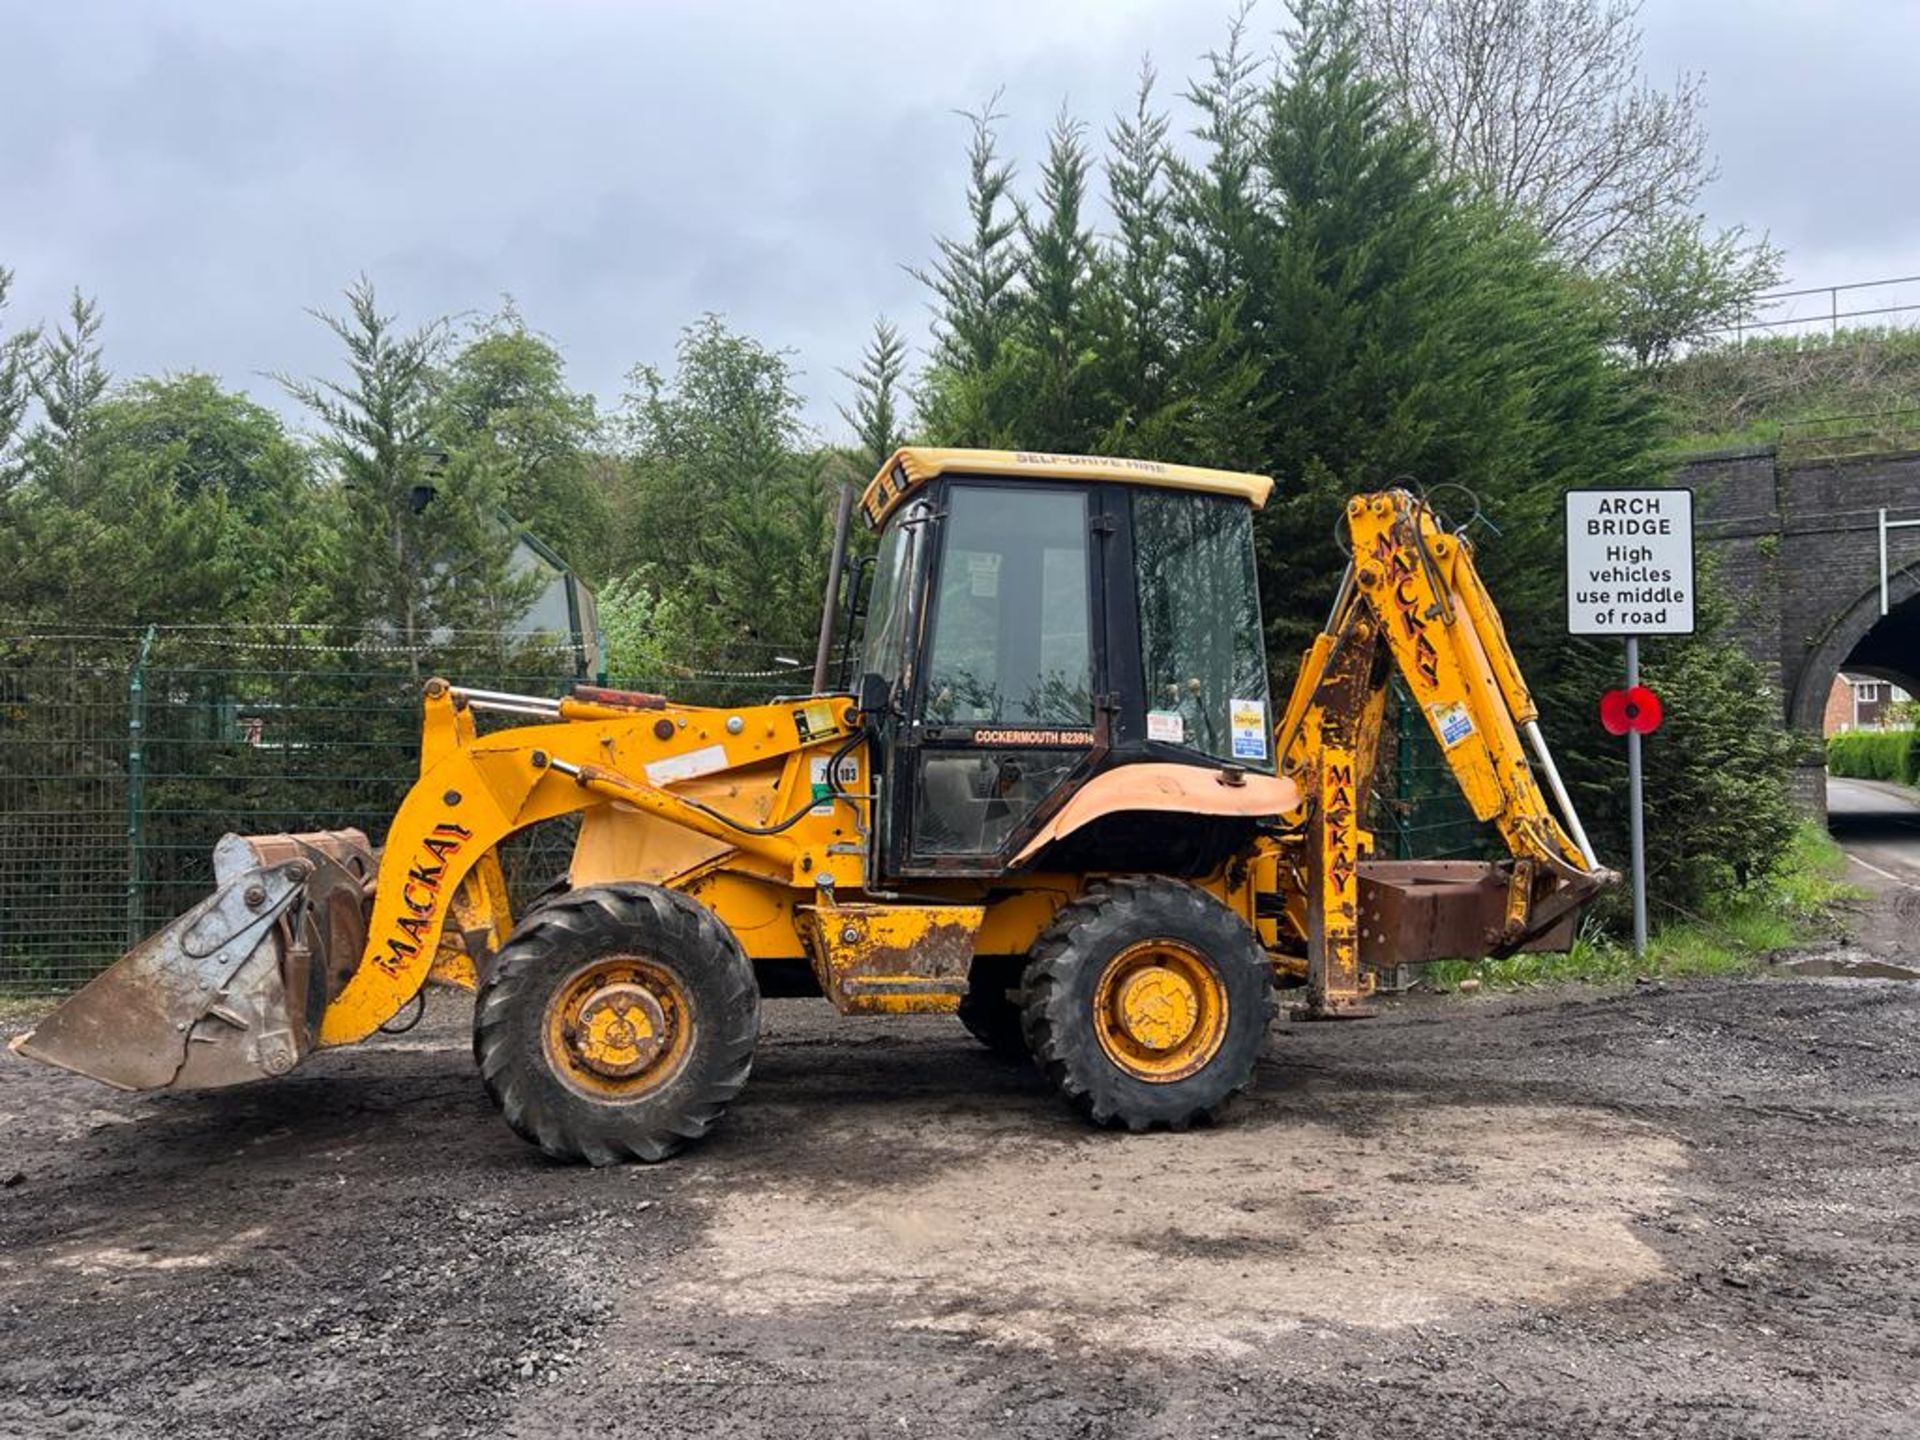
x=1412, y=601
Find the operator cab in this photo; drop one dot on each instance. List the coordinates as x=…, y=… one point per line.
x=1038, y=620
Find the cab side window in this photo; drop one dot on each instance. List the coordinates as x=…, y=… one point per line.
x=1201, y=648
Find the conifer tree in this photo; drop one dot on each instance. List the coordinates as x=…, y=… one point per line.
x=1135, y=312
x=1055, y=309
x=875, y=417
x=69, y=380
x=1349, y=312
x=422, y=548
x=16, y=385
x=1218, y=237
x=974, y=280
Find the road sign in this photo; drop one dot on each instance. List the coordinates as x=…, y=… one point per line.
x=1630, y=562
x=1630, y=573
x=1630, y=712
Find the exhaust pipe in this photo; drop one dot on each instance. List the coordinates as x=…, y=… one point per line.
x=234, y=989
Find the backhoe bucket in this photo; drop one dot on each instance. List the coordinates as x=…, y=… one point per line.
x=234, y=989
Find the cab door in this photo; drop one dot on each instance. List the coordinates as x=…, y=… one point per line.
x=888, y=654
x=1001, y=721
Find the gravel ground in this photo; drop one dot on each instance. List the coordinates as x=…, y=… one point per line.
x=1689, y=1211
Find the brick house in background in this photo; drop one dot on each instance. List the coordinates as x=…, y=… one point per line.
x=1860, y=702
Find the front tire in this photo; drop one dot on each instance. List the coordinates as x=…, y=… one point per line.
x=1147, y=1003
x=617, y=1023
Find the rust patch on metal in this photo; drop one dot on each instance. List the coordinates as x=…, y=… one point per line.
x=1414, y=911
x=892, y=959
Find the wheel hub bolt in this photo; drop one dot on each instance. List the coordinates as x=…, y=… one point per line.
x=621, y=1031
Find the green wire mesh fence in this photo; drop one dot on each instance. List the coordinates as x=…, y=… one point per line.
x=124, y=756
x=64, y=856
x=1420, y=813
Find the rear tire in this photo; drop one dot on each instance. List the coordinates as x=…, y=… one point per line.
x=1188, y=972
x=993, y=1016
x=617, y=1023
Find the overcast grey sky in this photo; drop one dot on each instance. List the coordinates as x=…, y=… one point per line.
x=620, y=166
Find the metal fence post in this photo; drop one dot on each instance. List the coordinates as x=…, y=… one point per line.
x=136, y=789
x=1402, y=780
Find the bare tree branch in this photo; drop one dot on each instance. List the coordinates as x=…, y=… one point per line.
x=1541, y=105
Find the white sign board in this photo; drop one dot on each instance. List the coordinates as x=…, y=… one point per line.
x=1630, y=562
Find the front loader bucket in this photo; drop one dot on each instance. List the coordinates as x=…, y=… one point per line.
x=234, y=989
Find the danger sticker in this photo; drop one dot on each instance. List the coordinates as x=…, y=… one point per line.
x=1249, y=725
x=1167, y=726
x=1452, y=724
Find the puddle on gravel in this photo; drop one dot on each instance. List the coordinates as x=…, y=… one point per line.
x=1842, y=967
x=1219, y=1240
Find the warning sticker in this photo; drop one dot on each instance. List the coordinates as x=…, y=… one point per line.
x=847, y=775
x=1452, y=723
x=814, y=719
x=1249, y=725
x=1166, y=725
x=983, y=574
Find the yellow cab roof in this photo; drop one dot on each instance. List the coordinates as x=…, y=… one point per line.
x=912, y=467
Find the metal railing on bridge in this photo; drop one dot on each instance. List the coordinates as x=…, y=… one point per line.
x=1864, y=304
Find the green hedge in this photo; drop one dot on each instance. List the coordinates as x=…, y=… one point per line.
x=1876, y=755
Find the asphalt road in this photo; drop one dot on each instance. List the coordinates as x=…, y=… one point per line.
x=1878, y=824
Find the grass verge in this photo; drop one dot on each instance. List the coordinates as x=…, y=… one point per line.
x=1793, y=906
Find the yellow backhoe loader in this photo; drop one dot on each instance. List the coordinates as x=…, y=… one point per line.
x=1056, y=802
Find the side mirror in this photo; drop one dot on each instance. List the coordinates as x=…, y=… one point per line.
x=875, y=694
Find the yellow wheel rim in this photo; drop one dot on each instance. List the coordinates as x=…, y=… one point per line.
x=1160, y=1010
x=619, y=1027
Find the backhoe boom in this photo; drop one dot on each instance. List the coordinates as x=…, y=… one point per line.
x=1412, y=603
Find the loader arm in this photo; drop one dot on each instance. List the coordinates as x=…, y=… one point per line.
x=305, y=944
x=475, y=791
x=1412, y=603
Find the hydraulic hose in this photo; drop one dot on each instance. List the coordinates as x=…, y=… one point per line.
x=794, y=819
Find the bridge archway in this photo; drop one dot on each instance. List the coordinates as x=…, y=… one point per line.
x=1864, y=641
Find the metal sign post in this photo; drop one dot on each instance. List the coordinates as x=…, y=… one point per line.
x=1630, y=573
x=1636, y=812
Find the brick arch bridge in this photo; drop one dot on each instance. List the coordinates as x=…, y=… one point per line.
x=1798, y=548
